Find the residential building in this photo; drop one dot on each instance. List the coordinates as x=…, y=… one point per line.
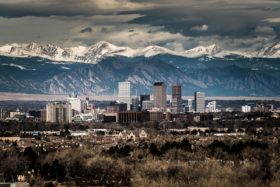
x=143, y=134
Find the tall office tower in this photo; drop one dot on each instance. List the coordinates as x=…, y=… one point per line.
x=43, y=115
x=59, y=112
x=143, y=97
x=76, y=103
x=199, y=102
x=160, y=95
x=124, y=94
x=176, y=91
x=135, y=104
x=176, y=97
x=86, y=104
x=189, y=105
x=2, y=114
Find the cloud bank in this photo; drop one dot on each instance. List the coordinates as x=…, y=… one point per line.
x=177, y=24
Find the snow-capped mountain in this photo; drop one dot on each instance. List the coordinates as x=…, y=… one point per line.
x=218, y=77
x=203, y=51
x=155, y=50
x=101, y=49
x=272, y=51
x=94, y=53
x=47, y=51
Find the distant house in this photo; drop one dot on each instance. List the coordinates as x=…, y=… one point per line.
x=143, y=134
x=120, y=135
x=131, y=136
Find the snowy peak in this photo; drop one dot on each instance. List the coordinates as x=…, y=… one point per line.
x=94, y=53
x=154, y=50
x=101, y=49
x=199, y=51
x=47, y=51
x=272, y=51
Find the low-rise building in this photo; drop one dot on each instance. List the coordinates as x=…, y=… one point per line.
x=143, y=134
x=131, y=136
x=246, y=108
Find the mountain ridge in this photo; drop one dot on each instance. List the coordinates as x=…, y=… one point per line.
x=94, y=53
x=214, y=76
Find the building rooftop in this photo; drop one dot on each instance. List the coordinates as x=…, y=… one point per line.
x=158, y=83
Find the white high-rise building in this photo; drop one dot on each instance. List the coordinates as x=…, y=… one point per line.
x=212, y=107
x=199, y=102
x=59, y=112
x=189, y=105
x=246, y=108
x=2, y=114
x=124, y=93
x=76, y=103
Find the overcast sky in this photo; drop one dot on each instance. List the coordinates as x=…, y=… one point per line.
x=175, y=24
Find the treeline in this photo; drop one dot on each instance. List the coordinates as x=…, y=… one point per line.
x=159, y=163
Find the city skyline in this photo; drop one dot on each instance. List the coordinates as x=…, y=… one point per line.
x=140, y=93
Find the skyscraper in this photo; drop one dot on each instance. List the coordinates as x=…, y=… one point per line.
x=76, y=103
x=144, y=97
x=199, y=102
x=2, y=114
x=59, y=112
x=176, y=91
x=124, y=93
x=135, y=104
x=176, y=97
x=189, y=105
x=160, y=95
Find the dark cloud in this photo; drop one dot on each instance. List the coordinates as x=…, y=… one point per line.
x=236, y=23
x=87, y=29
x=45, y=8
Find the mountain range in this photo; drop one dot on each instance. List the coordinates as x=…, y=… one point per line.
x=96, y=69
x=94, y=53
